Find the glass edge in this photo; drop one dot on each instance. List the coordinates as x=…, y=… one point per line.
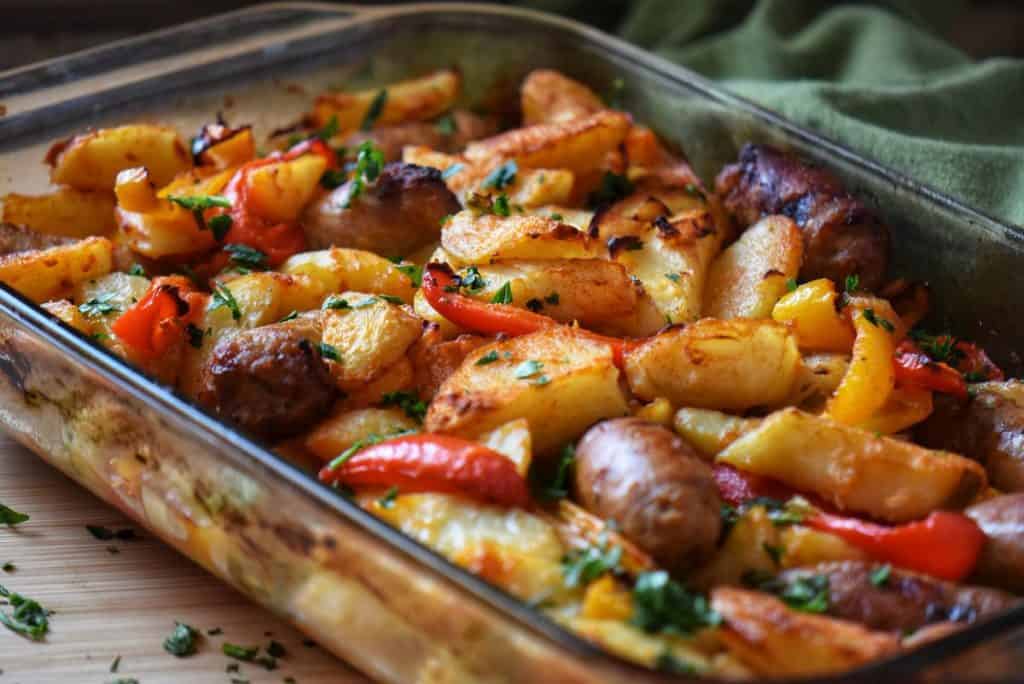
x=176, y=407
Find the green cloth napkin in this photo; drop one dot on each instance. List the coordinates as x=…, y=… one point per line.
x=874, y=76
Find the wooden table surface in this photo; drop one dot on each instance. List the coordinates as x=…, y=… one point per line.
x=124, y=603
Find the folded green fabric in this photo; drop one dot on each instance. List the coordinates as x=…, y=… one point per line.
x=874, y=76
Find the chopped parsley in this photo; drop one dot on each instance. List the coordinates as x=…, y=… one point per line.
x=336, y=302
x=614, y=186
x=29, y=619
x=808, y=594
x=388, y=500
x=527, y=369
x=488, y=358
x=116, y=664
x=106, y=534
x=582, y=566
x=329, y=351
x=195, y=335
x=245, y=653
x=555, y=216
x=137, y=270
x=290, y=316
x=552, y=298
x=361, y=444
x=666, y=662
x=452, y=170
x=880, y=575
x=369, y=164
x=219, y=226
x=791, y=285
x=660, y=604
x=222, y=298
x=446, y=124
x=8, y=567
x=503, y=295
x=471, y=280
x=412, y=271
x=941, y=348
x=558, y=488
x=375, y=109
x=197, y=204
x=391, y=299
x=674, y=277
x=852, y=283
x=541, y=381
x=413, y=406
x=500, y=206
x=11, y=517
x=872, y=318
x=246, y=256
x=182, y=641
x=329, y=130
x=98, y=306
x=775, y=552
x=502, y=176
x=333, y=178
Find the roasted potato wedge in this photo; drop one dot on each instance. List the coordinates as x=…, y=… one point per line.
x=52, y=273
x=748, y=278
x=416, y=99
x=481, y=239
x=710, y=431
x=775, y=640
x=344, y=428
x=68, y=212
x=547, y=96
x=92, y=161
x=725, y=365
x=560, y=380
x=368, y=334
x=855, y=470
x=280, y=190
x=339, y=269
x=579, y=146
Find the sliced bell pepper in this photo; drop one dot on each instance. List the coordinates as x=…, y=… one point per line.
x=944, y=545
x=442, y=293
x=914, y=368
x=975, y=364
x=433, y=463
x=811, y=311
x=870, y=379
x=157, y=322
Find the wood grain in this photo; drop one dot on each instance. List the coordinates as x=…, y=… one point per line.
x=124, y=603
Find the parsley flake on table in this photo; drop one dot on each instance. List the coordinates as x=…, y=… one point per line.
x=29, y=619
x=182, y=641
x=11, y=517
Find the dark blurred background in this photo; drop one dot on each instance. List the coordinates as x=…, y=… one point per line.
x=31, y=30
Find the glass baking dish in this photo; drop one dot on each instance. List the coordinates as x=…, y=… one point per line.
x=374, y=597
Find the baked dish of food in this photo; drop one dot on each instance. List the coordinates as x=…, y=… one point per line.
x=699, y=425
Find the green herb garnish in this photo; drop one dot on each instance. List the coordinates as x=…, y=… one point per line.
x=852, y=283
x=674, y=277
x=666, y=662
x=558, y=488
x=11, y=517
x=503, y=295
x=219, y=226
x=446, y=124
x=374, y=111
x=329, y=130
x=500, y=207
x=452, y=170
x=388, y=500
x=502, y=176
x=614, y=186
x=137, y=270
x=333, y=178
x=880, y=575
x=660, y=604
x=98, y=306
x=583, y=566
x=195, y=335
x=791, y=285
x=413, y=406
x=527, y=369
x=329, y=351
x=182, y=641
x=489, y=357
x=369, y=164
x=244, y=653
x=872, y=318
x=246, y=256
x=222, y=298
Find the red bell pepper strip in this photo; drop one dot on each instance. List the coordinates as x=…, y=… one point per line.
x=157, y=321
x=737, y=487
x=433, y=463
x=944, y=545
x=442, y=293
x=974, y=363
x=915, y=368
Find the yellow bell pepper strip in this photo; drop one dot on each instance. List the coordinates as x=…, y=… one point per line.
x=907, y=406
x=811, y=311
x=870, y=378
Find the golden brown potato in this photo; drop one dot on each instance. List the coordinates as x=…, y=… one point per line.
x=743, y=553
x=748, y=278
x=591, y=291
x=398, y=377
x=579, y=146
x=416, y=99
x=560, y=380
x=710, y=431
x=67, y=211
x=339, y=269
x=279, y=191
x=778, y=641
x=854, y=469
x=481, y=239
x=819, y=376
x=344, y=428
x=368, y=334
x=92, y=161
x=671, y=259
x=52, y=273
x=70, y=314
x=434, y=358
x=547, y=96
x=725, y=365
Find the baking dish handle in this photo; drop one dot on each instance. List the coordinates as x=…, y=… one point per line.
x=38, y=96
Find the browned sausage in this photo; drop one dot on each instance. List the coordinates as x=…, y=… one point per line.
x=1002, y=559
x=841, y=236
x=905, y=601
x=398, y=213
x=988, y=427
x=270, y=381
x=654, y=486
